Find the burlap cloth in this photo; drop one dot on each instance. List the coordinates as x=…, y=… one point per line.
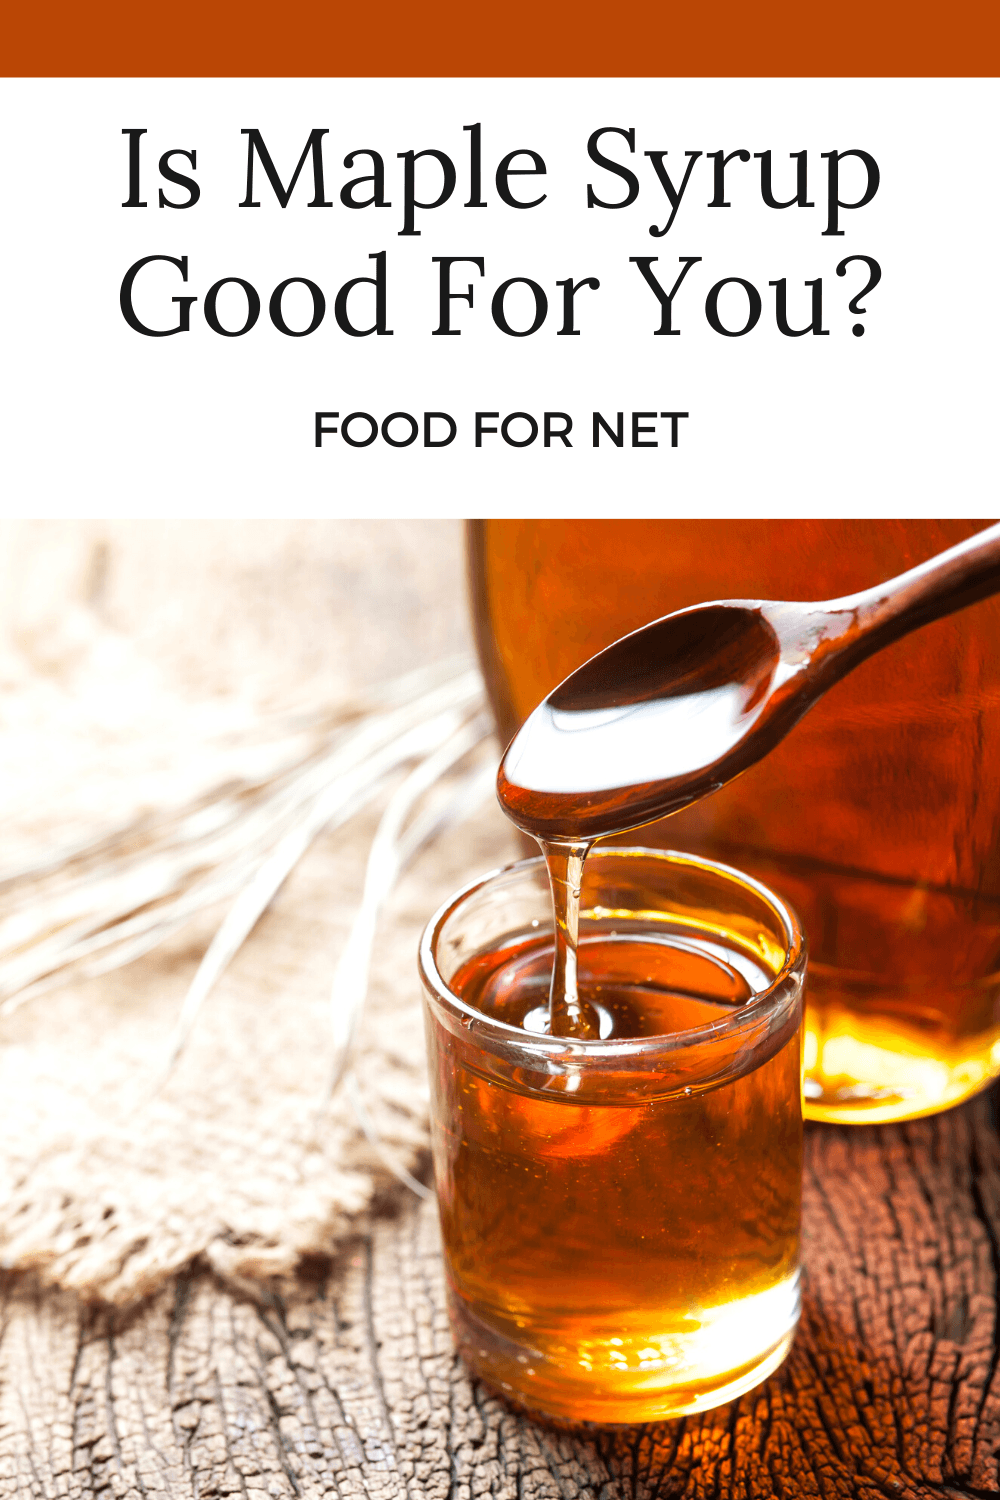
x=131, y=654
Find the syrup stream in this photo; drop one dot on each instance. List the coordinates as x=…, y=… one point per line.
x=568, y=1014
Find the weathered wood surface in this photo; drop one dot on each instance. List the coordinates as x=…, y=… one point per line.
x=347, y=1386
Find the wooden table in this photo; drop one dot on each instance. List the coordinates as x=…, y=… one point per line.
x=348, y=1386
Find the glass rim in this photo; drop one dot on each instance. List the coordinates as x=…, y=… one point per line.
x=596, y=1051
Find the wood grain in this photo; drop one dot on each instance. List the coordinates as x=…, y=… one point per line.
x=345, y=1384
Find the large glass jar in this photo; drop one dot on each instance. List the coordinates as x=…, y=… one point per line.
x=878, y=818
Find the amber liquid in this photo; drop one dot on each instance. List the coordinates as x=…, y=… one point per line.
x=618, y=1261
x=878, y=818
x=569, y=1012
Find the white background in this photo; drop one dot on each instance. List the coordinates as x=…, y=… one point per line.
x=99, y=420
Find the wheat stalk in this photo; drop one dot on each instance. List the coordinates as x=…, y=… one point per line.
x=95, y=905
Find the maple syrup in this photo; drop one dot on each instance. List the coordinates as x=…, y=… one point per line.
x=620, y=1204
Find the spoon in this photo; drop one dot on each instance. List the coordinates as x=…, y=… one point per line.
x=677, y=709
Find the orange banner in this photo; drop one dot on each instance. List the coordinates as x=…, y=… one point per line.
x=732, y=38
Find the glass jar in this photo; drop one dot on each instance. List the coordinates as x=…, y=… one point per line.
x=620, y=1217
x=879, y=816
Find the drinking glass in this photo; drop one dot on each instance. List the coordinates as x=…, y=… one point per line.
x=620, y=1216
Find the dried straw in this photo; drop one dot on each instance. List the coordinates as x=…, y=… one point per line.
x=90, y=908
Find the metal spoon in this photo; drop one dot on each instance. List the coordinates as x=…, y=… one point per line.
x=675, y=710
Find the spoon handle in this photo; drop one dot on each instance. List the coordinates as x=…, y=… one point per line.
x=948, y=582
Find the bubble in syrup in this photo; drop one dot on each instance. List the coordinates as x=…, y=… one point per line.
x=688, y=1093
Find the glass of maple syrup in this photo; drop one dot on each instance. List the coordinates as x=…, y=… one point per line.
x=620, y=1214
